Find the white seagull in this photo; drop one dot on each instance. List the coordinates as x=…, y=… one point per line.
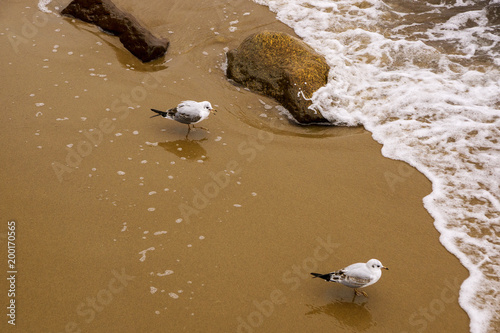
x=356, y=276
x=188, y=112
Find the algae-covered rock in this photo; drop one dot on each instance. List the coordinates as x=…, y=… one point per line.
x=281, y=66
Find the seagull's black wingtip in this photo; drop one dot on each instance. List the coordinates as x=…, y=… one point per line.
x=159, y=113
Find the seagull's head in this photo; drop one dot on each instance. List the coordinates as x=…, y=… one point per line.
x=375, y=264
x=207, y=106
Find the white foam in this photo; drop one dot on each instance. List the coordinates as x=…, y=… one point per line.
x=167, y=272
x=143, y=253
x=173, y=295
x=437, y=111
x=42, y=5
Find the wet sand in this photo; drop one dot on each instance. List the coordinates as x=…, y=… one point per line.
x=145, y=231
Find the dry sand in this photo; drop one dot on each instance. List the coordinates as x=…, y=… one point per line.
x=103, y=251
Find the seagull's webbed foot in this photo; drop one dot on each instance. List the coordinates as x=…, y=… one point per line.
x=203, y=128
x=359, y=293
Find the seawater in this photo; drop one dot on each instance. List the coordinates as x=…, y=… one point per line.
x=423, y=77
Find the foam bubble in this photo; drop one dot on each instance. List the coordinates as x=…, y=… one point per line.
x=167, y=272
x=143, y=253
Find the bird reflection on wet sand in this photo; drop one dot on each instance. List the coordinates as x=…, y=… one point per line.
x=349, y=314
x=188, y=149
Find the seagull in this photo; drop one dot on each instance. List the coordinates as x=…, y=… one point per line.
x=188, y=112
x=356, y=276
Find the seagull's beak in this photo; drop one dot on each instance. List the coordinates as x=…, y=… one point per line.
x=386, y=268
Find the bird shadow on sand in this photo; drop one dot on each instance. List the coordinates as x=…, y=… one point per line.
x=190, y=150
x=350, y=314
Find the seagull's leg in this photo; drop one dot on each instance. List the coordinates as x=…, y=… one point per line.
x=189, y=130
x=206, y=129
x=359, y=293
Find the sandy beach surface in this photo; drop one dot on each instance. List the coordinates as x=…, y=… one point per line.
x=124, y=225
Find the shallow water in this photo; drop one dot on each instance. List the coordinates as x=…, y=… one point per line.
x=424, y=78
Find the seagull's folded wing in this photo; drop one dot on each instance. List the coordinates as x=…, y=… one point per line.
x=187, y=118
x=356, y=281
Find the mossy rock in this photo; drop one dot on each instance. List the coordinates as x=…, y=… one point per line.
x=283, y=67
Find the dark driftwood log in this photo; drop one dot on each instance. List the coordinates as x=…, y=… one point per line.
x=134, y=37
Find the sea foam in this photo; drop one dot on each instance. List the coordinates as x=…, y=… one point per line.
x=42, y=5
x=429, y=91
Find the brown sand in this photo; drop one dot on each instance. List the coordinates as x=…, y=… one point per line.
x=284, y=200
